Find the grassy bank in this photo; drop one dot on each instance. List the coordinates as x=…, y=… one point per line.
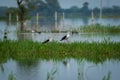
x=88, y=29
x=33, y=50
x=96, y=28
x=100, y=29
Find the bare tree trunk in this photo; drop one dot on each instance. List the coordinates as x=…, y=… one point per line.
x=21, y=22
x=21, y=14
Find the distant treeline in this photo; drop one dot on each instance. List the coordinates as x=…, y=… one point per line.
x=49, y=7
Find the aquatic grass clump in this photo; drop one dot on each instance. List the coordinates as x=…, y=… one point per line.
x=22, y=50
x=11, y=77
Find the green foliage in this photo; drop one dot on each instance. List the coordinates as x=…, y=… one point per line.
x=28, y=50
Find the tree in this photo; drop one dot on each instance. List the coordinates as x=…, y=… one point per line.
x=21, y=13
x=44, y=6
x=53, y=5
x=85, y=9
x=96, y=11
x=85, y=5
x=74, y=8
x=23, y=7
x=116, y=10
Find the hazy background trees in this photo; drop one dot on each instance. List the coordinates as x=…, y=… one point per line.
x=47, y=8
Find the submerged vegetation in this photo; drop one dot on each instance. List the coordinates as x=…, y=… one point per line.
x=29, y=50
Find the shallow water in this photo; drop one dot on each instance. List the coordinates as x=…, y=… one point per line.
x=80, y=37
x=67, y=69
x=70, y=23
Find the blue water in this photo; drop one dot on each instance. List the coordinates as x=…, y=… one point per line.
x=59, y=70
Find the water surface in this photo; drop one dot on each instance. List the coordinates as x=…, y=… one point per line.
x=67, y=69
x=69, y=23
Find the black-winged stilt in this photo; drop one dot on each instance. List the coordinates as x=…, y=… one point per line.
x=48, y=40
x=65, y=37
x=33, y=31
x=5, y=35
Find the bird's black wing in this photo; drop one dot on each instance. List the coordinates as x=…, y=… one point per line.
x=46, y=41
x=63, y=38
x=38, y=32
